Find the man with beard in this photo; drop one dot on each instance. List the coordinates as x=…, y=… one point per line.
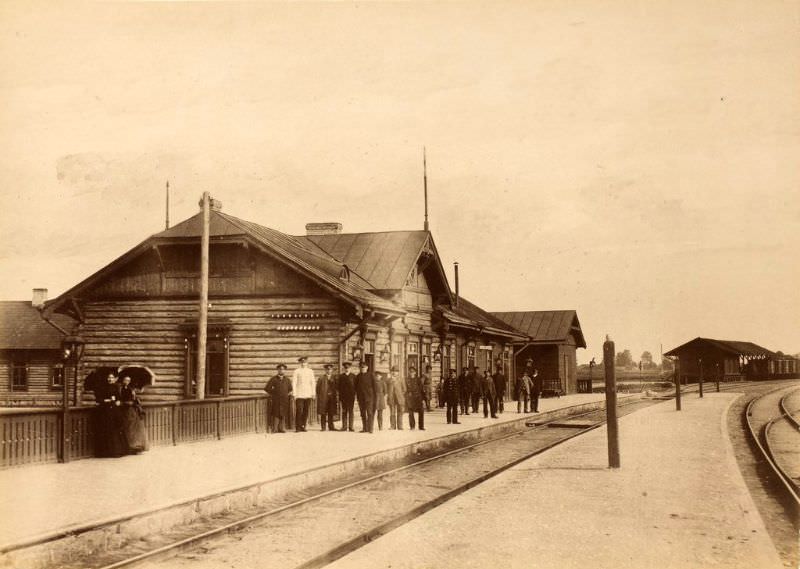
x=279, y=388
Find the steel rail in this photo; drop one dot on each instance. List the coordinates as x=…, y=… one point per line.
x=350, y=545
x=790, y=415
x=765, y=452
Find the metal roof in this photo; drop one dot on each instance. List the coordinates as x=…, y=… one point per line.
x=383, y=259
x=467, y=313
x=735, y=347
x=23, y=328
x=545, y=325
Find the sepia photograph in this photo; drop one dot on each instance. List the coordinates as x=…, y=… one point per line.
x=411, y=284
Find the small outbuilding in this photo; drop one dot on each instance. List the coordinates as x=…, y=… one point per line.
x=554, y=337
x=723, y=360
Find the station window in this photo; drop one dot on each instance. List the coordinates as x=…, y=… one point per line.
x=19, y=376
x=57, y=376
x=470, y=356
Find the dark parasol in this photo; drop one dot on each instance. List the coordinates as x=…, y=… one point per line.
x=140, y=375
x=98, y=377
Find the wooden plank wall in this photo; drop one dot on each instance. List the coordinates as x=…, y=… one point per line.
x=263, y=332
x=39, y=392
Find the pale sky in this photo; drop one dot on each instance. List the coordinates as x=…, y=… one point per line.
x=636, y=161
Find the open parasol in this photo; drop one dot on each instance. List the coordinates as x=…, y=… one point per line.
x=98, y=377
x=140, y=375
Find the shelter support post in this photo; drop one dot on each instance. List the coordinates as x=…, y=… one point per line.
x=611, y=404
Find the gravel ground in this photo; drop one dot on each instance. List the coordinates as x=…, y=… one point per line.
x=678, y=501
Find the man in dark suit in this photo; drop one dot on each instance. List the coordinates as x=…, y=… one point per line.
x=499, y=387
x=464, y=390
x=475, y=379
x=365, y=393
x=451, y=396
x=327, y=401
x=279, y=388
x=346, y=386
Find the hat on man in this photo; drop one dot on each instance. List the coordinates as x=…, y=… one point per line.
x=281, y=366
x=346, y=365
x=412, y=368
x=394, y=368
x=428, y=368
x=302, y=359
x=453, y=370
x=364, y=364
x=328, y=366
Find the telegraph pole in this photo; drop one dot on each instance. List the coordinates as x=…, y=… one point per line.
x=677, y=384
x=611, y=404
x=202, y=323
x=700, y=365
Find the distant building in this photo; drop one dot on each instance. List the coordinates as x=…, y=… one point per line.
x=729, y=360
x=32, y=370
x=553, y=339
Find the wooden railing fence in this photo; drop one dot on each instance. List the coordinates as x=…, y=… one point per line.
x=32, y=436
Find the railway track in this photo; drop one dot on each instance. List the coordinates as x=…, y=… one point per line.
x=774, y=432
x=356, y=510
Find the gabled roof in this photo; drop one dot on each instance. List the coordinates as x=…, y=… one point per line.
x=314, y=262
x=383, y=259
x=733, y=347
x=469, y=314
x=545, y=326
x=23, y=328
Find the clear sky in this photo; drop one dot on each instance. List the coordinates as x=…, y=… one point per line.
x=636, y=161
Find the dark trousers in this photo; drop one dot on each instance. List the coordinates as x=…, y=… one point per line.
x=464, y=400
x=367, y=420
x=379, y=415
x=420, y=414
x=347, y=415
x=475, y=401
x=489, y=403
x=500, y=406
x=452, y=411
x=535, y=401
x=301, y=406
x=277, y=424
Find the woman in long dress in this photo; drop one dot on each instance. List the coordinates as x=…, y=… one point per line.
x=109, y=441
x=133, y=429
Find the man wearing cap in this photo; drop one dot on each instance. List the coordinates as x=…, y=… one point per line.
x=464, y=390
x=279, y=388
x=500, y=387
x=346, y=387
x=326, y=398
x=395, y=398
x=475, y=379
x=365, y=393
x=415, y=399
x=450, y=390
x=303, y=384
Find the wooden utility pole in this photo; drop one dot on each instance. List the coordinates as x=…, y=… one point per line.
x=202, y=323
x=700, y=365
x=611, y=404
x=677, y=384
x=425, y=182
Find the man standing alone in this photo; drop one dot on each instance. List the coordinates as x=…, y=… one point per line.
x=303, y=384
x=499, y=387
x=450, y=390
x=536, y=389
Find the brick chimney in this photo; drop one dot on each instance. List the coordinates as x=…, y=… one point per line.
x=39, y=297
x=328, y=228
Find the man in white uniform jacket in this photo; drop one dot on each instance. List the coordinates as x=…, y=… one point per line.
x=303, y=386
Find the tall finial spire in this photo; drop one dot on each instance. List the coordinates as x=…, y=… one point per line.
x=425, y=181
x=166, y=223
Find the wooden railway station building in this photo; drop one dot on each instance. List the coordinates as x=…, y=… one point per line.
x=333, y=297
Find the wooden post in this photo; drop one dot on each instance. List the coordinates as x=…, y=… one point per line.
x=202, y=323
x=700, y=365
x=611, y=404
x=677, y=384
x=717, y=377
x=64, y=455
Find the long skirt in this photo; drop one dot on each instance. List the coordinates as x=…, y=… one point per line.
x=108, y=437
x=133, y=430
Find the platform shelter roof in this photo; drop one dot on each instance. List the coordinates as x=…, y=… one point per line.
x=733, y=347
x=545, y=326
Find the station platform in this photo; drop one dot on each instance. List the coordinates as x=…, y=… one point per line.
x=678, y=501
x=42, y=502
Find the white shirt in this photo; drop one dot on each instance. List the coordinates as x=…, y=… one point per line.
x=303, y=383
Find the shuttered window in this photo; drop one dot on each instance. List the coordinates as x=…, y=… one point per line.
x=19, y=376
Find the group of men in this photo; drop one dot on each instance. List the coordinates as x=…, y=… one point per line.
x=374, y=391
